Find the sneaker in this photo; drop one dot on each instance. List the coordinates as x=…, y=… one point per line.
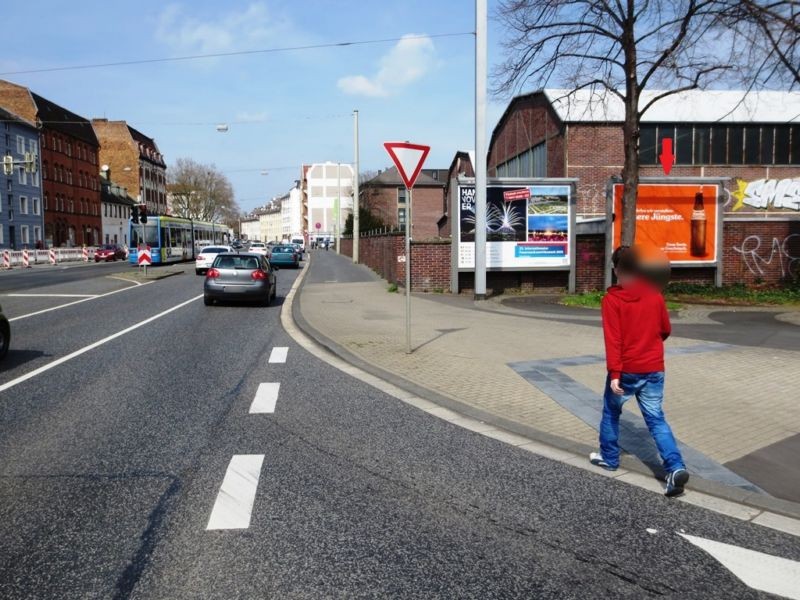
x=675, y=482
x=597, y=459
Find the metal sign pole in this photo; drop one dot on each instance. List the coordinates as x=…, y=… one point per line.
x=408, y=270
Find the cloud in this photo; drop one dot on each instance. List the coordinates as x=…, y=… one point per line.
x=236, y=30
x=409, y=60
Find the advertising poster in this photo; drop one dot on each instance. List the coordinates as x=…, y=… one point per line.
x=526, y=226
x=678, y=219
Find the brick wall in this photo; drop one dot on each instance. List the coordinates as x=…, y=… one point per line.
x=590, y=265
x=756, y=252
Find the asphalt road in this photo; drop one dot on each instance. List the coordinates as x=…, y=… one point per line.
x=111, y=462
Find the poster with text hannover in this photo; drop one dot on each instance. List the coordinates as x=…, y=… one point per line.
x=679, y=219
x=526, y=226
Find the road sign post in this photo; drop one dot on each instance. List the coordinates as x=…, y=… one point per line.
x=143, y=257
x=408, y=158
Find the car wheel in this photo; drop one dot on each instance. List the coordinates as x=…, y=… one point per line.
x=208, y=301
x=5, y=338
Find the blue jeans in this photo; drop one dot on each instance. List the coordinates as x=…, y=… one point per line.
x=649, y=391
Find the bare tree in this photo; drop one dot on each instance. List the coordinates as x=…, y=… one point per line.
x=620, y=48
x=201, y=192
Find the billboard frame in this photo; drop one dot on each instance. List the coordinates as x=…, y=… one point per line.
x=720, y=182
x=455, y=229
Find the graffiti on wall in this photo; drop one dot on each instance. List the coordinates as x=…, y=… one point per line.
x=779, y=194
x=759, y=256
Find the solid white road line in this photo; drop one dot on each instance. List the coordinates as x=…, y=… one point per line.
x=278, y=354
x=266, y=397
x=764, y=572
x=125, y=279
x=92, y=346
x=50, y=295
x=46, y=310
x=238, y=492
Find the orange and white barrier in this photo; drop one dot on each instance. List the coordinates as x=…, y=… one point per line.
x=26, y=259
x=52, y=256
x=85, y=254
x=6, y=259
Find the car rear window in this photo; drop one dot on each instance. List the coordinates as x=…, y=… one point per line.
x=236, y=261
x=284, y=250
x=213, y=250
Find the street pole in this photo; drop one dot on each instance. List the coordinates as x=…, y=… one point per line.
x=338, y=210
x=356, y=227
x=480, y=148
x=408, y=271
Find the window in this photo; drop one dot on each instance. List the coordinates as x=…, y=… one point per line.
x=37, y=234
x=752, y=141
x=23, y=205
x=71, y=206
x=25, y=234
x=37, y=208
x=702, y=145
x=401, y=196
x=683, y=145
x=767, y=145
x=20, y=145
x=44, y=169
x=782, y=145
x=45, y=200
x=23, y=176
x=33, y=147
x=401, y=216
x=795, y=146
x=1, y=233
x=736, y=145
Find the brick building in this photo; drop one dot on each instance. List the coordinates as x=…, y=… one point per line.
x=136, y=161
x=385, y=196
x=745, y=137
x=117, y=205
x=70, y=169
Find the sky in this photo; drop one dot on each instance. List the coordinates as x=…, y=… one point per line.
x=283, y=109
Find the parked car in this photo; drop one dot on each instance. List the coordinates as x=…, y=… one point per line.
x=206, y=257
x=300, y=243
x=285, y=256
x=259, y=248
x=240, y=276
x=109, y=252
x=5, y=334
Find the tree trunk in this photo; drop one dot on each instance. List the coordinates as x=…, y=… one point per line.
x=630, y=129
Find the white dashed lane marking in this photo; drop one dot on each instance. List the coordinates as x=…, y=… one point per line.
x=278, y=354
x=265, y=399
x=238, y=492
x=771, y=574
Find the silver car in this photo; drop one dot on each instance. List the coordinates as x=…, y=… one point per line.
x=240, y=277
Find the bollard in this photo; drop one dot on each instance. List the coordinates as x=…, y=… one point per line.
x=26, y=260
x=6, y=259
x=53, y=256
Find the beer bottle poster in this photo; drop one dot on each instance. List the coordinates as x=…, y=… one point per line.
x=678, y=219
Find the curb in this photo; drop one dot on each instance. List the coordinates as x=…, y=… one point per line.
x=761, y=509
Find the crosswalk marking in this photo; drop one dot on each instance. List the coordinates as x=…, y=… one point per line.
x=278, y=354
x=265, y=399
x=235, y=499
x=764, y=572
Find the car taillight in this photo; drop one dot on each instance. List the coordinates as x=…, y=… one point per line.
x=212, y=273
x=200, y=257
x=258, y=275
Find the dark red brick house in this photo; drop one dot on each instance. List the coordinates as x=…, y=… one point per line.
x=751, y=139
x=70, y=169
x=385, y=196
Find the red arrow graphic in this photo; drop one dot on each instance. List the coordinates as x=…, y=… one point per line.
x=666, y=158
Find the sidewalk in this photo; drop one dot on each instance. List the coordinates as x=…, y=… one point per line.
x=734, y=408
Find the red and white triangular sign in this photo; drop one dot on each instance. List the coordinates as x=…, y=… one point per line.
x=408, y=158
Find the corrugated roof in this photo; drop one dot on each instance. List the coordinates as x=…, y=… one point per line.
x=67, y=122
x=694, y=106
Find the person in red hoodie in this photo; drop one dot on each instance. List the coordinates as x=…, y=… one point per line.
x=635, y=325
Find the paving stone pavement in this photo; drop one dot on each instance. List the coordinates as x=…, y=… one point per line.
x=723, y=401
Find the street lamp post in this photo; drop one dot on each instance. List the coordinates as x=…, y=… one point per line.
x=356, y=225
x=480, y=148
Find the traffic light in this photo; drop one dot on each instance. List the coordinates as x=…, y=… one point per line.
x=135, y=214
x=143, y=213
x=30, y=162
x=8, y=164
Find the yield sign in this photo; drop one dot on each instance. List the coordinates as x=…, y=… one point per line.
x=408, y=158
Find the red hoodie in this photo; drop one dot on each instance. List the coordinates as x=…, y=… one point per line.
x=635, y=325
